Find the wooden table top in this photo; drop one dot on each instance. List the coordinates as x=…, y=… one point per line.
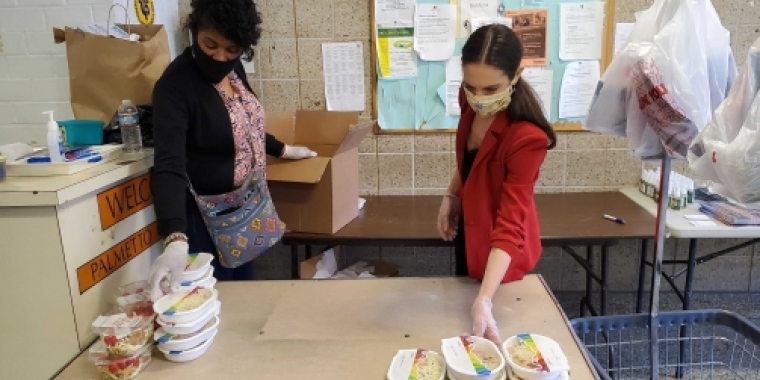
x=351, y=329
x=565, y=219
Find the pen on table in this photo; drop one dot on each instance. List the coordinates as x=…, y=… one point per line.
x=614, y=219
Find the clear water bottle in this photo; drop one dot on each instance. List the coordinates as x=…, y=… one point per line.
x=129, y=123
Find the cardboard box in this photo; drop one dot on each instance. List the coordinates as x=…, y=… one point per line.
x=318, y=194
x=381, y=269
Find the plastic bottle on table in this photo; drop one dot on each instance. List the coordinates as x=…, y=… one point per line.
x=54, y=139
x=129, y=123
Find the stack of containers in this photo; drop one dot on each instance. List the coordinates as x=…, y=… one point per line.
x=126, y=331
x=189, y=318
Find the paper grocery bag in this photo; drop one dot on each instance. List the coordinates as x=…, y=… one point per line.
x=105, y=70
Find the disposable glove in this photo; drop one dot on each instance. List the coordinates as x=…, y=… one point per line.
x=172, y=263
x=297, y=153
x=483, y=324
x=448, y=217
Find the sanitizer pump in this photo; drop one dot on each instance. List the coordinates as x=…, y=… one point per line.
x=54, y=140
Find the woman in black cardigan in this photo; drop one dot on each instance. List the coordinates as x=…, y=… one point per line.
x=205, y=121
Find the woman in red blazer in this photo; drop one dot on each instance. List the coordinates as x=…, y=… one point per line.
x=501, y=142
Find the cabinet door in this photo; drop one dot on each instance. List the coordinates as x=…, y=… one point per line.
x=36, y=318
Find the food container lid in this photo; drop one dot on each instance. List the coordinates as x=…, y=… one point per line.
x=165, y=283
x=198, y=262
x=200, y=346
x=184, y=301
x=469, y=355
x=117, y=323
x=162, y=337
x=417, y=364
x=537, y=354
x=134, y=292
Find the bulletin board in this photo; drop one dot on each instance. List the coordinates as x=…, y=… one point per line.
x=414, y=105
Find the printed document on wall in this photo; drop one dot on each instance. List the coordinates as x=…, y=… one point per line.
x=531, y=28
x=435, y=31
x=394, y=28
x=541, y=80
x=622, y=31
x=344, y=76
x=471, y=9
x=581, y=31
x=453, y=84
x=578, y=85
x=476, y=23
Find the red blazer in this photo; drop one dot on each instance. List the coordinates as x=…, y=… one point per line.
x=497, y=198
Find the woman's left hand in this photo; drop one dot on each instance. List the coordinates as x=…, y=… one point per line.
x=297, y=152
x=483, y=324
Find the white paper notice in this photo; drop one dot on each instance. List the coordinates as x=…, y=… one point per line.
x=578, y=85
x=622, y=31
x=453, y=84
x=344, y=76
x=470, y=9
x=581, y=31
x=478, y=22
x=394, y=13
x=541, y=80
x=435, y=31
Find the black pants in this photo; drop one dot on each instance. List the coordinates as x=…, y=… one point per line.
x=200, y=240
x=460, y=255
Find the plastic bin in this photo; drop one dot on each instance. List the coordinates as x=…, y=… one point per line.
x=83, y=132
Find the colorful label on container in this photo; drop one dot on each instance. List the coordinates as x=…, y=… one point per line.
x=419, y=356
x=528, y=340
x=191, y=260
x=173, y=308
x=164, y=338
x=477, y=364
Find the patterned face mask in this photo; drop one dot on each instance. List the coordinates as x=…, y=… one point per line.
x=489, y=105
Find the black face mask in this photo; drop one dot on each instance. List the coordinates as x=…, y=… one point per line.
x=212, y=70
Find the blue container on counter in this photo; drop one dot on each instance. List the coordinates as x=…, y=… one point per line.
x=83, y=132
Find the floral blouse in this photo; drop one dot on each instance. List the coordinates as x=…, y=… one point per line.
x=248, y=127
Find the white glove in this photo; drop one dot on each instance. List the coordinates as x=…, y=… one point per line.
x=172, y=263
x=483, y=324
x=297, y=152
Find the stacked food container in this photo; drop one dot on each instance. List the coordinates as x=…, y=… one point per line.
x=189, y=318
x=126, y=331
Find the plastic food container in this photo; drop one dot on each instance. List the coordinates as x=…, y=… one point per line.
x=206, y=281
x=171, y=342
x=504, y=375
x=190, y=327
x=83, y=132
x=123, y=367
x=191, y=354
x=123, y=334
x=185, y=306
x=535, y=357
x=134, y=298
x=417, y=364
x=197, y=266
x=473, y=358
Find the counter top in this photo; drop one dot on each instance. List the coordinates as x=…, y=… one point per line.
x=56, y=190
x=350, y=329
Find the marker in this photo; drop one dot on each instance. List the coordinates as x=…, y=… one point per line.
x=614, y=219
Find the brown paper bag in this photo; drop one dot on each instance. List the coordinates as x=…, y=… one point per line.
x=105, y=70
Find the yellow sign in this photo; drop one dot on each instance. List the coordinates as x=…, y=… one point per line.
x=145, y=11
x=102, y=266
x=124, y=200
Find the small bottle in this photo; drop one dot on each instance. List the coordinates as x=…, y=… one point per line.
x=129, y=123
x=673, y=199
x=643, y=181
x=54, y=140
x=3, y=170
x=651, y=186
x=690, y=191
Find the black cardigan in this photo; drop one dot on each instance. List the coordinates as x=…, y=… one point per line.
x=193, y=135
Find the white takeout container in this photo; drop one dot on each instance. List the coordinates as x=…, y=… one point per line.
x=164, y=303
x=170, y=342
x=459, y=363
x=189, y=355
x=452, y=376
x=198, y=267
x=190, y=327
x=403, y=361
x=206, y=281
x=552, y=354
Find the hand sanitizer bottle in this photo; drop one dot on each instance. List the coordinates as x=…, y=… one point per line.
x=54, y=140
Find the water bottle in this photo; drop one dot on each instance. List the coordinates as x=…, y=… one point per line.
x=129, y=123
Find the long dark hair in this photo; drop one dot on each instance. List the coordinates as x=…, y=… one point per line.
x=498, y=46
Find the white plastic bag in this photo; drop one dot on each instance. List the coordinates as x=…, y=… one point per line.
x=661, y=89
x=727, y=151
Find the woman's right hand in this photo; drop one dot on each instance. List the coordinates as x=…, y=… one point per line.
x=448, y=217
x=172, y=263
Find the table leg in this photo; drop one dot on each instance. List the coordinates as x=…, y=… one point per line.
x=603, y=285
x=684, y=331
x=589, y=281
x=308, y=251
x=642, y=275
x=294, y=260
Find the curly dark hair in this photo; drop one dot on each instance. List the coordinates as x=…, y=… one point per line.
x=236, y=20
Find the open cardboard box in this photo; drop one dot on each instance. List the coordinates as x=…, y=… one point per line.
x=317, y=194
x=382, y=269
